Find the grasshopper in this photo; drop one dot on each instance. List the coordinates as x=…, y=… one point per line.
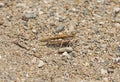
x=59, y=39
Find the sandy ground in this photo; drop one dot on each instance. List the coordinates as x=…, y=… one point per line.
x=92, y=54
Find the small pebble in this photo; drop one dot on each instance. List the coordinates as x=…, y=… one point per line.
x=101, y=23
x=21, y=5
x=100, y=1
x=118, y=49
x=117, y=20
x=105, y=79
x=73, y=54
x=117, y=24
x=94, y=28
x=86, y=12
x=2, y=4
x=28, y=16
x=59, y=28
x=116, y=10
x=0, y=57
x=40, y=12
x=66, y=55
x=34, y=49
x=107, y=2
x=11, y=77
x=110, y=70
x=61, y=19
x=65, y=49
x=46, y=1
x=51, y=13
x=1, y=21
x=106, y=62
x=34, y=60
x=26, y=25
x=34, y=31
x=41, y=64
x=116, y=60
x=71, y=28
x=103, y=71
x=103, y=45
x=86, y=64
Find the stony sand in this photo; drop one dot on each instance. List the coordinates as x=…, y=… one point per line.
x=94, y=50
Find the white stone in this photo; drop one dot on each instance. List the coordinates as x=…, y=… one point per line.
x=40, y=11
x=66, y=54
x=2, y=4
x=103, y=71
x=41, y=64
x=34, y=60
x=101, y=23
x=21, y=5
x=0, y=57
x=34, y=49
x=29, y=14
x=34, y=30
x=117, y=24
x=117, y=9
x=100, y=1
x=105, y=80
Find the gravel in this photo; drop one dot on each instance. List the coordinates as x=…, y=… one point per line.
x=41, y=64
x=103, y=71
x=65, y=49
x=28, y=15
x=51, y=13
x=2, y=4
x=66, y=55
x=59, y=28
x=116, y=60
x=118, y=49
x=93, y=53
x=117, y=10
x=21, y=5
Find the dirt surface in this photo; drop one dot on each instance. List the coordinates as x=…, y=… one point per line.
x=28, y=53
